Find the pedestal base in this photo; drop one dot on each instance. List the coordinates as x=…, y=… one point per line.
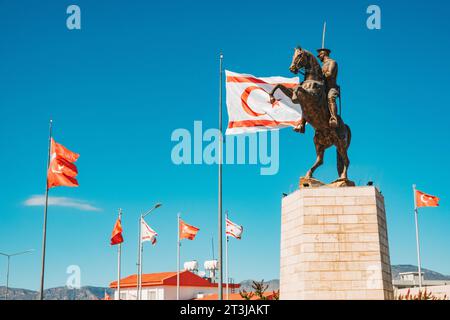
x=334, y=245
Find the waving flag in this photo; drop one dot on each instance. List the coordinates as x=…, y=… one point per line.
x=61, y=171
x=234, y=230
x=249, y=106
x=187, y=231
x=147, y=233
x=116, y=236
x=426, y=200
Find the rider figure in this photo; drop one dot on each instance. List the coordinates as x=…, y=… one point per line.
x=330, y=72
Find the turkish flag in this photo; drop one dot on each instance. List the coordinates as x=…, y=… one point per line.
x=62, y=152
x=62, y=171
x=62, y=166
x=116, y=236
x=56, y=177
x=187, y=231
x=426, y=200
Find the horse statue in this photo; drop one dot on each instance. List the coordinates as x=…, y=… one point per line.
x=311, y=95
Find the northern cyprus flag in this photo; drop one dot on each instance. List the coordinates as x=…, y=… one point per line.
x=249, y=107
x=147, y=233
x=233, y=229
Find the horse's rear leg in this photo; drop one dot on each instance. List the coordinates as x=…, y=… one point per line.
x=343, y=161
x=320, y=151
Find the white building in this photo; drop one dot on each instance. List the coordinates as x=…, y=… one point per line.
x=163, y=286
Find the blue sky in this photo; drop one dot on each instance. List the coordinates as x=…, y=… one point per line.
x=138, y=70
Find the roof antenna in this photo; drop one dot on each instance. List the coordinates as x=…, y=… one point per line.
x=212, y=244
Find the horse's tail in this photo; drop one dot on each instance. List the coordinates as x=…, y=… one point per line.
x=348, y=138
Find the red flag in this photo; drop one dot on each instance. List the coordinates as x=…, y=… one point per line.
x=187, y=231
x=62, y=152
x=116, y=236
x=426, y=200
x=61, y=166
x=61, y=171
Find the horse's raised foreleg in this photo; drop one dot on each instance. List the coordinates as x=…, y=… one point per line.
x=289, y=92
x=320, y=151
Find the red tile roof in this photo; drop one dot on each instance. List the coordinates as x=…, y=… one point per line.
x=187, y=278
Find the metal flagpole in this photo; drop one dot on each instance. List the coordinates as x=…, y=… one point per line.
x=416, y=218
x=138, y=259
x=7, y=279
x=227, y=277
x=220, y=295
x=178, y=258
x=212, y=246
x=119, y=254
x=44, y=236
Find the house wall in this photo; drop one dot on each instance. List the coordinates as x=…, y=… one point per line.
x=186, y=293
x=165, y=293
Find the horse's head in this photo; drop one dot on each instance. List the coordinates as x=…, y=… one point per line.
x=299, y=60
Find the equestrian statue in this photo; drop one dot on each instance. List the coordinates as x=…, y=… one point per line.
x=317, y=96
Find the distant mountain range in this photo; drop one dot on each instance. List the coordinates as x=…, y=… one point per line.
x=96, y=293
x=427, y=274
x=273, y=285
x=59, y=293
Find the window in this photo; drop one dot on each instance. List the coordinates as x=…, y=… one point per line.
x=151, y=295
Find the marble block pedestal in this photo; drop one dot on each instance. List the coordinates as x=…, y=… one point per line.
x=334, y=245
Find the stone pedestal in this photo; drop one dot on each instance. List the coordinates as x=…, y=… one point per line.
x=334, y=245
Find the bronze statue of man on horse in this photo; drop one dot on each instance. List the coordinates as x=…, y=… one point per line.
x=317, y=96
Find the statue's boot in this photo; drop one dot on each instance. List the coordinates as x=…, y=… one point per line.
x=333, y=119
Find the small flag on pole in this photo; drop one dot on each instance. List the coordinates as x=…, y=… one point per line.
x=187, y=231
x=62, y=170
x=426, y=200
x=147, y=233
x=116, y=236
x=234, y=230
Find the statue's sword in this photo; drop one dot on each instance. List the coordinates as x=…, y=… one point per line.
x=323, y=34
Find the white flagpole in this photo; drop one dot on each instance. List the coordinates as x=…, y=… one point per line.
x=140, y=261
x=323, y=34
x=119, y=254
x=227, y=277
x=220, y=218
x=44, y=233
x=416, y=218
x=178, y=259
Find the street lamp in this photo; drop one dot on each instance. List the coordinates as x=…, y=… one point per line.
x=7, y=272
x=139, y=264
